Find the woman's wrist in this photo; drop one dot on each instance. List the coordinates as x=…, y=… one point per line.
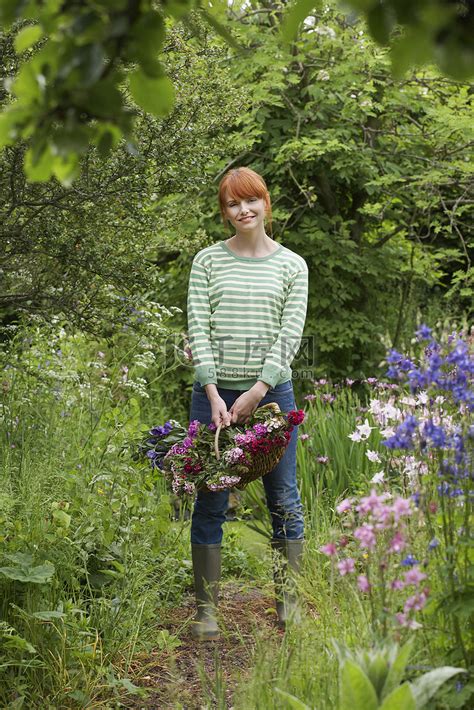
x=211, y=391
x=261, y=388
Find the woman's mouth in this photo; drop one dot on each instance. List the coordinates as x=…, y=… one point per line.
x=246, y=219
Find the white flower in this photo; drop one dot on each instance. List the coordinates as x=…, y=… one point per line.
x=375, y=406
x=373, y=456
x=409, y=401
x=322, y=75
x=392, y=412
x=422, y=398
x=379, y=477
x=355, y=436
x=365, y=429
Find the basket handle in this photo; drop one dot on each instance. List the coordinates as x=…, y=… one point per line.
x=216, y=442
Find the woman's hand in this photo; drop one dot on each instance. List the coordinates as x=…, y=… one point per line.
x=220, y=415
x=245, y=405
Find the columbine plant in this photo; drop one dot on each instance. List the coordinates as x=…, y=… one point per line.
x=188, y=459
x=436, y=429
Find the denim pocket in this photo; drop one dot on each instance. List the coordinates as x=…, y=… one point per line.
x=198, y=387
x=283, y=388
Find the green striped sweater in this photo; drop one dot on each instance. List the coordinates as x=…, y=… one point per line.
x=245, y=315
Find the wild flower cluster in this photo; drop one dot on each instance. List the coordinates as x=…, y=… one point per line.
x=188, y=457
x=373, y=551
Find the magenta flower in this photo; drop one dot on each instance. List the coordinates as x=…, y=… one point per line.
x=365, y=535
x=414, y=576
x=346, y=566
x=363, y=583
x=260, y=429
x=330, y=549
x=344, y=506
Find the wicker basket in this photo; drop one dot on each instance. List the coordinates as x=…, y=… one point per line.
x=261, y=463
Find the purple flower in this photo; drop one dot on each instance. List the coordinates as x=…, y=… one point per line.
x=423, y=332
x=409, y=561
x=193, y=428
x=260, y=429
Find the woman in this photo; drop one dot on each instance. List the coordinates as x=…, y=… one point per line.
x=247, y=303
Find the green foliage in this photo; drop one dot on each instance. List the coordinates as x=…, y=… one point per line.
x=86, y=538
x=75, y=62
x=427, y=31
x=368, y=184
x=366, y=681
x=94, y=251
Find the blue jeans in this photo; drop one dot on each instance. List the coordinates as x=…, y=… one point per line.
x=283, y=499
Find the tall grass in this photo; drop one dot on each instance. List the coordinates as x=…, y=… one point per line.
x=86, y=534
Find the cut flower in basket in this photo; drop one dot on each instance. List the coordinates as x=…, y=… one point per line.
x=216, y=458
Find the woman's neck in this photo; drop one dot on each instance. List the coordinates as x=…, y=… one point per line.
x=251, y=244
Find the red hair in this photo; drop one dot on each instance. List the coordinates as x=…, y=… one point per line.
x=241, y=183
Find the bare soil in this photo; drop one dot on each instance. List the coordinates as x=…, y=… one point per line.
x=185, y=678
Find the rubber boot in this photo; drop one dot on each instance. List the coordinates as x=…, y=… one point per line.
x=207, y=573
x=285, y=588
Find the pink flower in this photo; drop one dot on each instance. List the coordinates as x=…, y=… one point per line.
x=363, y=583
x=303, y=437
x=397, y=543
x=309, y=397
x=397, y=584
x=400, y=507
x=415, y=602
x=344, y=506
x=404, y=620
x=414, y=576
x=365, y=535
x=372, y=502
x=322, y=459
x=329, y=549
x=346, y=566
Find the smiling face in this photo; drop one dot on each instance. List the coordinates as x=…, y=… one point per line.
x=246, y=212
x=244, y=200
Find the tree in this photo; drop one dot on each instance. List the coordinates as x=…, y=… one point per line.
x=90, y=250
x=370, y=181
x=425, y=31
x=87, y=66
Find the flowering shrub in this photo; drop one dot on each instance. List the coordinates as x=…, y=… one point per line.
x=188, y=458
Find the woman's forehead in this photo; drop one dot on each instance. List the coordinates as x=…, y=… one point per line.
x=240, y=195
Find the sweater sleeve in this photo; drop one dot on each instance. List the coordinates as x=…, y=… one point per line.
x=199, y=312
x=285, y=347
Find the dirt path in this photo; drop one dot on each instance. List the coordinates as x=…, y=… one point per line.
x=176, y=678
